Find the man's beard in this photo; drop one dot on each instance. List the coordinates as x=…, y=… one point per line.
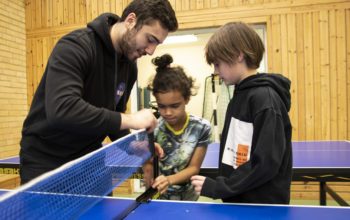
x=128, y=43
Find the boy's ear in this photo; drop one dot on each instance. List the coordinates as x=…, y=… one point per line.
x=130, y=21
x=240, y=57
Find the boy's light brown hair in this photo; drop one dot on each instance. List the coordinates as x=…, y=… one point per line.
x=231, y=39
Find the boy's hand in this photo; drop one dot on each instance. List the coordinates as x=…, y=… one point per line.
x=197, y=182
x=161, y=184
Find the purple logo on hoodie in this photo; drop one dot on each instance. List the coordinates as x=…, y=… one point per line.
x=119, y=93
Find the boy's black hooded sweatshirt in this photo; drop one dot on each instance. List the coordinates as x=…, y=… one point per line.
x=75, y=106
x=258, y=113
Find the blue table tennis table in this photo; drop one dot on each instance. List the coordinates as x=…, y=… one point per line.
x=116, y=208
x=9, y=165
x=320, y=161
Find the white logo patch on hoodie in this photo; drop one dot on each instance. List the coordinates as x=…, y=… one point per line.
x=238, y=143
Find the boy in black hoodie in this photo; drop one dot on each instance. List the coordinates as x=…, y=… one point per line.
x=84, y=90
x=255, y=149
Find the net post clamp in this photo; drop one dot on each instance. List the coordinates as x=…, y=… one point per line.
x=151, y=192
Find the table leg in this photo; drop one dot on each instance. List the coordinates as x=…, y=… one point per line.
x=323, y=199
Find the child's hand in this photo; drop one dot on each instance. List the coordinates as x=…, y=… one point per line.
x=148, y=174
x=159, y=150
x=197, y=182
x=161, y=184
x=147, y=168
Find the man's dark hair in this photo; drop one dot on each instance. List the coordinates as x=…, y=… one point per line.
x=148, y=11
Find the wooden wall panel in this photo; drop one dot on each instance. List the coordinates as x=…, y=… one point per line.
x=309, y=77
x=13, y=88
x=308, y=41
x=333, y=75
x=342, y=75
x=300, y=75
x=324, y=75
x=292, y=72
x=320, y=109
x=317, y=69
x=347, y=40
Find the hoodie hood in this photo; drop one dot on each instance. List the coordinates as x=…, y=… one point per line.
x=102, y=26
x=277, y=82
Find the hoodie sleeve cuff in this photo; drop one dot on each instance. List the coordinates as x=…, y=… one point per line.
x=207, y=188
x=114, y=123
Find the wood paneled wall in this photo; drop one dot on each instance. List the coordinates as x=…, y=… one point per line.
x=13, y=89
x=312, y=49
x=308, y=41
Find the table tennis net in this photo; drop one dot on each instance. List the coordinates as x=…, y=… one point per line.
x=68, y=191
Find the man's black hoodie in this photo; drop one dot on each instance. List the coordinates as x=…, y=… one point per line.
x=75, y=105
x=257, y=119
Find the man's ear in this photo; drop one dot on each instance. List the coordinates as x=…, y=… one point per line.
x=130, y=21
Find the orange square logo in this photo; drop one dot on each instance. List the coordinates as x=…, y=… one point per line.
x=242, y=154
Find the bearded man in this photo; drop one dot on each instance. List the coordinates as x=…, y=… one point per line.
x=83, y=93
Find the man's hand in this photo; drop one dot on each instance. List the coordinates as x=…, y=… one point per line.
x=197, y=182
x=143, y=119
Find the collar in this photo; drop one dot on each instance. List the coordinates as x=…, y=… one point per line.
x=182, y=129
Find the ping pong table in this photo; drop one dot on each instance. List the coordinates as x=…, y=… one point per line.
x=115, y=208
x=9, y=165
x=318, y=161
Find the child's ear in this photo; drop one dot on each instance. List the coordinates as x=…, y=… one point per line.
x=240, y=57
x=130, y=21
